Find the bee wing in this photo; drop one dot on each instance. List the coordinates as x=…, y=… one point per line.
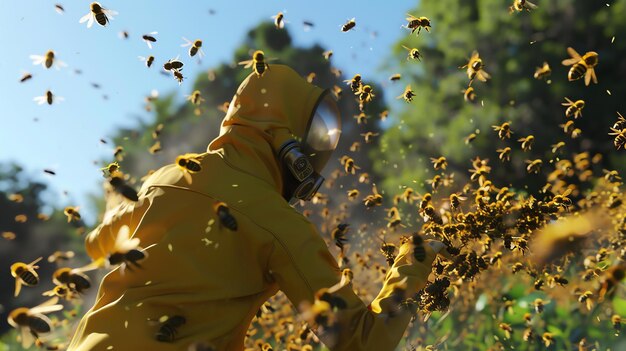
x=27, y=338
x=37, y=59
x=482, y=75
x=40, y=100
x=47, y=306
x=186, y=43
x=58, y=64
x=110, y=13
x=99, y=263
x=149, y=44
x=123, y=235
x=573, y=53
x=200, y=52
x=247, y=63
x=530, y=5
x=589, y=75
x=85, y=18
x=128, y=245
x=187, y=177
x=570, y=61
x=18, y=286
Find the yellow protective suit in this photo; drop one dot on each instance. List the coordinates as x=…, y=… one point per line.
x=217, y=278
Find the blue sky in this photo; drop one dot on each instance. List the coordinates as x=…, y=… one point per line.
x=65, y=136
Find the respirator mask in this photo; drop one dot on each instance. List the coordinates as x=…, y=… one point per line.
x=303, y=161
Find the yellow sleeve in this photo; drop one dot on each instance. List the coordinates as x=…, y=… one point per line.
x=302, y=265
x=100, y=242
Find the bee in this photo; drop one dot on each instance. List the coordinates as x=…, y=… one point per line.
x=471, y=137
x=361, y=118
x=223, y=213
x=26, y=77
x=393, y=217
x=32, y=321
x=195, y=98
x=123, y=34
x=581, y=66
x=338, y=235
x=337, y=92
x=59, y=8
x=539, y=306
x=407, y=95
x=517, y=267
x=417, y=23
x=563, y=200
x=475, y=68
x=72, y=213
x=58, y=256
x=365, y=95
x=110, y=169
x=534, y=166
x=311, y=77
x=414, y=54
x=556, y=147
x=369, y=136
x=148, y=60
x=60, y=291
x=195, y=47
x=348, y=25
x=521, y=5
x=616, y=320
x=389, y=251
x=120, y=186
x=118, y=153
x=504, y=130
x=527, y=142
x=73, y=278
x=620, y=138
x=279, y=21
x=189, y=164
x=374, y=199
x=258, y=63
x=349, y=166
x=169, y=328
x=355, y=83
x=355, y=147
x=585, y=298
x=353, y=194
x=97, y=13
x=395, y=77
x=455, y=201
x=149, y=38
x=469, y=95
x=610, y=280
x=419, y=252
x=574, y=108
x=48, y=98
x=47, y=60
x=507, y=330
x=611, y=176
x=25, y=274
x=439, y=163
x=178, y=76
x=126, y=252
x=543, y=72
x=504, y=154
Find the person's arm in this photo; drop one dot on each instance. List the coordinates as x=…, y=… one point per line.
x=302, y=265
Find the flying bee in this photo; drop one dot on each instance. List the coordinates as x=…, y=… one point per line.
x=48, y=98
x=534, y=166
x=469, y=95
x=173, y=65
x=539, y=305
x=611, y=176
x=258, y=63
x=414, y=54
x=337, y=92
x=558, y=146
x=189, y=164
x=195, y=98
x=475, y=68
x=355, y=83
x=59, y=256
x=543, y=72
x=568, y=127
x=527, y=142
x=120, y=186
x=110, y=169
x=407, y=95
x=521, y=5
x=59, y=8
x=389, y=251
x=118, y=153
x=393, y=217
x=504, y=130
x=47, y=60
x=178, y=76
x=148, y=60
x=195, y=47
x=365, y=94
x=60, y=291
x=369, y=136
x=616, y=320
x=126, y=251
x=471, y=137
x=610, y=280
x=31, y=322
x=374, y=199
x=581, y=66
x=417, y=23
x=169, y=328
x=223, y=213
x=279, y=20
x=574, y=108
x=504, y=154
x=338, y=235
x=349, y=166
x=439, y=163
x=26, y=77
x=395, y=77
x=25, y=274
x=353, y=194
x=97, y=13
x=327, y=54
x=419, y=252
x=563, y=200
x=72, y=213
x=585, y=298
x=73, y=278
x=311, y=77
x=455, y=201
x=361, y=118
x=348, y=25
x=149, y=38
x=620, y=138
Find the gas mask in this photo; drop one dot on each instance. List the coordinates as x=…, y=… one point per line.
x=303, y=161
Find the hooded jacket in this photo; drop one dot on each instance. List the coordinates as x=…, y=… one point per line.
x=215, y=277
